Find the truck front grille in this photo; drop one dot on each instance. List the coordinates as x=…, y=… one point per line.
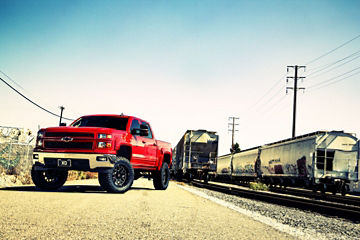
x=68, y=145
x=68, y=134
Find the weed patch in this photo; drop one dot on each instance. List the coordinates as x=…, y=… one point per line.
x=259, y=186
x=80, y=175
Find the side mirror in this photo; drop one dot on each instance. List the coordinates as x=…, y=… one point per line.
x=140, y=132
x=144, y=131
x=62, y=124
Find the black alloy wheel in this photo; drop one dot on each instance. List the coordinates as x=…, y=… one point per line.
x=120, y=178
x=51, y=179
x=120, y=175
x=162, y=177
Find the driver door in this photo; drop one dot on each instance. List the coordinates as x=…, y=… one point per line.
x=138, y=146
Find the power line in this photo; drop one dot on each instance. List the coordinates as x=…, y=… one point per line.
x=272, y=98
x=336, y=67
x=270, y=89
x=8, y=77
x=331, y=83
x=275, y=104
x=322, y=68
x=333, y=50
x=330, y=79
x=54, y=114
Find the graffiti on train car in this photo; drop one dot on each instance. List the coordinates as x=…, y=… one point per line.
x=291, y=169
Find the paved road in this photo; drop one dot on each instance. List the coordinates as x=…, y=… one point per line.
x=84, y=211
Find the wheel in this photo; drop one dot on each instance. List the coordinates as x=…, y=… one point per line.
x=49, y=179
x=206, y=178
x=345, y=189
x=188, y=177
x=323, y=188
x=120, y=178
x=162, y=177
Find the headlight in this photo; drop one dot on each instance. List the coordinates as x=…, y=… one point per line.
x=104, y=145
x=41, y=134
x=39, y=141
x=104, y=135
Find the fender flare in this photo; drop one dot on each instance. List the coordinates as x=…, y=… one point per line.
x=124, y=150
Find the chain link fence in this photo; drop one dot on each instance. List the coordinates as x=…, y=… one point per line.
x=16, y=147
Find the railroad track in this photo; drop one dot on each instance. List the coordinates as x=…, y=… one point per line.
x=328, y=208
x=301, y=192
x=348, y=200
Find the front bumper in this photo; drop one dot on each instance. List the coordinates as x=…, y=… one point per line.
x=73, y=161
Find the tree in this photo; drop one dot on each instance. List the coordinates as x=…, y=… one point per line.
x=235, y=148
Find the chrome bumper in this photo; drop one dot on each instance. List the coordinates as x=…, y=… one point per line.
x=78, y=161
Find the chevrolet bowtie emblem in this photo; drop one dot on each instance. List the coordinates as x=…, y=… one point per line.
x=67, y=139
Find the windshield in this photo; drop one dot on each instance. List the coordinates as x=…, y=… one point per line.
x=102, y=121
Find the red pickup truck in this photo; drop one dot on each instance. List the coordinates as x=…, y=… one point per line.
x=120, y=148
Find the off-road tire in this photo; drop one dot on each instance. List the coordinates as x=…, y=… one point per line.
x=120, y=178
x=50, y=179
x=162, y=177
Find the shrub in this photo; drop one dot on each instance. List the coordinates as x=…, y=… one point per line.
x=80, y=175
x=258, y=186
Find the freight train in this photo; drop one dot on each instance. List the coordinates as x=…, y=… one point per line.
x=195, y=155
x=322, y=161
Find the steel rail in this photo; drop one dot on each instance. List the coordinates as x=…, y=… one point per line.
x=301, y=192
x=348, y=200
x=323, y=207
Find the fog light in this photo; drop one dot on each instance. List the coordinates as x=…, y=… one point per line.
x=104, y=145
x=101, y=144
x=101, y=158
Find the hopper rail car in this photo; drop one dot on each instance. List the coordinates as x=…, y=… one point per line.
x=322, y=161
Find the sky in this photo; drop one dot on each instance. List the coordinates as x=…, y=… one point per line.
x=184, y=65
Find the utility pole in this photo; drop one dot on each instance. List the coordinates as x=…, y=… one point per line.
x=295, y=88
x=232, y=129
x=61, y=109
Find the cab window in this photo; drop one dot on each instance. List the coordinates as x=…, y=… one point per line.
x=135, y=127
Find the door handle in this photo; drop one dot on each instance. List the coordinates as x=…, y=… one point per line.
x=143, y=142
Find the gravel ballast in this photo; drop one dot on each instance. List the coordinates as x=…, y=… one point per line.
x=299, y=223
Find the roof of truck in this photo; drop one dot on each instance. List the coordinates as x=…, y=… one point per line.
x=109, y=115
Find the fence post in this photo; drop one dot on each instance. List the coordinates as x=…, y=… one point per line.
x=8, y=162
x=27, y=156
